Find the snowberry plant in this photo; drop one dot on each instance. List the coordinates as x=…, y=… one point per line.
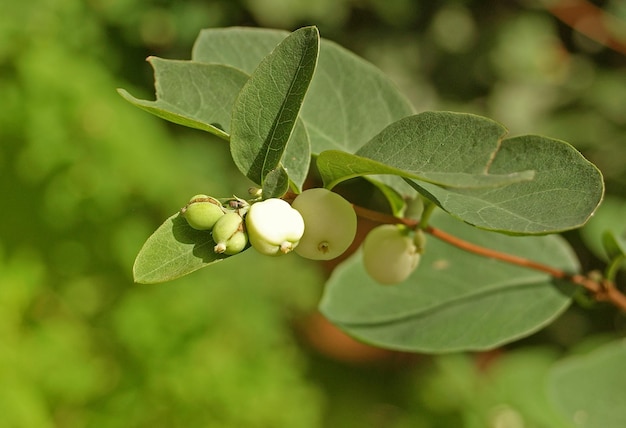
x=493, y=268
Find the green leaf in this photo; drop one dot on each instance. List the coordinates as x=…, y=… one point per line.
x=174, y=250
x=514, y=383
x=590, y=389
x=267, y=108
x=615, y=248
x=349, y=100
x=193, y=94
x=297, y=157
x=614, y=244
x=564, y=193
x=441, y=307
x=608, y=218
x=397, y=204
x=239, y=47
x=336, y=166
x=507, y=392
x=448, y=149
x=276, y=183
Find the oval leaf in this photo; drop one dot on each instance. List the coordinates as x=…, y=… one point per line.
x=193, y=94
x=590, y=390
x=614, y=244
x=336, y=166
x=349, y=100
x=441, y=308
x=276, y=183
x=449, y=149
x=609, y=218
x=564, y=193
x=296, y=159
x=266, y=110
x=173, y=250
x=239, y=47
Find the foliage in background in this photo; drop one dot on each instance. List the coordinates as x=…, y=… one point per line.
x=84, y=178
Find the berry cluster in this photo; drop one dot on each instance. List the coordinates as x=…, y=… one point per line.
x=318, y=225
x=223, y=219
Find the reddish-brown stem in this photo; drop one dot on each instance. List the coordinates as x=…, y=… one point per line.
x=590, y=20
x=602, y=290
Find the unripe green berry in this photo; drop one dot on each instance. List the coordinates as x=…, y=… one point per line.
x=202, y=212
x=229, y=235
x=389, y=254
x=330, y=224
x=274, y=228
x=419, y=239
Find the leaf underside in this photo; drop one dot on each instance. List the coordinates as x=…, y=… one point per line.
x=435, y=310
x=175, y=249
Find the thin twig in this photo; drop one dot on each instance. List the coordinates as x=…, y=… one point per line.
x=602, y=290
x=590, y=20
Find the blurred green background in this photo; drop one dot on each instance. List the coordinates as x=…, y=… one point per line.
x=86, y=177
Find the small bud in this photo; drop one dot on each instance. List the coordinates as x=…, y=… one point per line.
x=255, y=191
x=414, y=208
x=229, y=235
x=202, y=212
x=419, y=239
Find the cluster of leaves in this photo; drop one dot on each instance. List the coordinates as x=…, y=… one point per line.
x=82, y=347
x=283, y=99
x=248, y=86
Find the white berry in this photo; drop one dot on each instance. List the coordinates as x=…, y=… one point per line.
x=274, y=227
x=330, y=224
x=390, y=254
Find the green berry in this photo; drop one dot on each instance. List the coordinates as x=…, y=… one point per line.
x=274, y=228
x=202, y=212
x=229, y=234
x=330, y=224
x=390, y=254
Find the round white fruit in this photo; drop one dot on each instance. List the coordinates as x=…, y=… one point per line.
x=390, y=254
x=274, y=227
x=330, y=224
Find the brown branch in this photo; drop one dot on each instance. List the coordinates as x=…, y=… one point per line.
x=602, y=290
x=590, y=20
